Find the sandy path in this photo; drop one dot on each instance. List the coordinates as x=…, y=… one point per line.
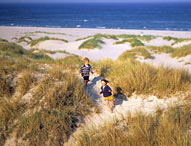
x=146, y=105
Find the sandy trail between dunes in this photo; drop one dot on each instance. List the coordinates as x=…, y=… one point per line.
x=146, y=105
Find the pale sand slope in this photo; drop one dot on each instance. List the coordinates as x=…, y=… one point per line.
x=167, y=61
x=74, y=33
x=108, y=50
x=134, y=104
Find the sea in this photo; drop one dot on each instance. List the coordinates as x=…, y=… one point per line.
x=149, y=16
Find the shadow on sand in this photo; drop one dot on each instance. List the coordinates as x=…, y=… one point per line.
x=91, y=90
x=119, y=96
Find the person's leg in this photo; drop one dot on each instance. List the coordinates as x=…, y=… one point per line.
x=85, y=82
x=113, y=102
x=107, y=102
x=86, y=79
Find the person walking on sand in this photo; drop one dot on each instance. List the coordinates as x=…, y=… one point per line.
x=85, y=70
x=106, y=91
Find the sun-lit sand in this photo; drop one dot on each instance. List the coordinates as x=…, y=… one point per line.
x=108, y=50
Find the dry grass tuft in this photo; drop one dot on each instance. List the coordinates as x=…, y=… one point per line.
x=134, y=53
x=170, y=128
x=132, y=77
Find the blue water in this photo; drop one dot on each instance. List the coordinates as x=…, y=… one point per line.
x=158, y=16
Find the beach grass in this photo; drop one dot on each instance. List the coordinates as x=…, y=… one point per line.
x=91, y=44
x=50, y=114
x=182, y=51
x=9, y=112
x=133, y=42
x=134, y=53
x=18, y=54
x=25, y=82
x=176, y=40
x=5, y=88
x=25, y=39
x=169, y=128
x=160, y=49
x=57, y=101
x=133, y=77
x=45, y=32
x=3, y=40
x=99, y=36
x=72, y=62
x=140, y=37
x=122, y=36
x=59, y=110
x=36, y=41
x=48, y=51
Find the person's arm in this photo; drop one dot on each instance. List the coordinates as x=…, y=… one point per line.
x=109, y=89
x=100, y=92
x=91, y=70
x=81, y=70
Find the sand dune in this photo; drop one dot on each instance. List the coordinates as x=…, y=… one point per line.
x=108, y=50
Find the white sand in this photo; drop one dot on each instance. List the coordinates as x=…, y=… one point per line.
x=158, y=42
x=167, y=61
x=108, y=50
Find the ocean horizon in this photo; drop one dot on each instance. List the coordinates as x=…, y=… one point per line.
x=148, y=16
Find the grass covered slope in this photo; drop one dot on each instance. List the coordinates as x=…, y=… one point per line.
x=40, y=104
x=133, y=77
x=91, y=44
x=171, y=128
x=36, y=41
x=134, y=53
x=95, y=41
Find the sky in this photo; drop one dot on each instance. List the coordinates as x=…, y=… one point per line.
x=88, y=1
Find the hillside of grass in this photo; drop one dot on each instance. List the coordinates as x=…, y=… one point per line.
x=95, y=41
x=91, y=44
x=134, y=53
x=133, y=77
x=40, y=101
x=36, y=41
x=174, y=52
x=133, y=42
x=171, y=128
x=176, y=40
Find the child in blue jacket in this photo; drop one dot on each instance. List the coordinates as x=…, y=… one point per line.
x=106, y=91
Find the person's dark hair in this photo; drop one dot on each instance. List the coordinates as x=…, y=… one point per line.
x=86, y=59
x=106, y=81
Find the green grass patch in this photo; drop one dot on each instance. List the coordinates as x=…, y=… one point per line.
x=91, y=44
x=140, y=37
x=182, y=51
x=176, y=40
x=45, y=32
x=133, y=42
x=72, y=62
x=35, y=42
x=25, y=39
x=160, y=49
x=99, y=36
x=134, y=53
x=3, y=40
